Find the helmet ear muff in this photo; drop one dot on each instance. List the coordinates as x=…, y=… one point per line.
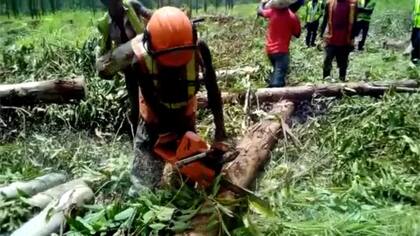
x=147, y=42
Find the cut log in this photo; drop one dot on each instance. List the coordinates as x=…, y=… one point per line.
x=120, y=58
x=52, y=218
x=32, y=187
x=254, y=151
x=306, y=92
x=42, y=199
x=50, y=91
x=114, y=61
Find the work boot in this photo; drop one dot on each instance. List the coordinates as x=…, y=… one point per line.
x=146, y=172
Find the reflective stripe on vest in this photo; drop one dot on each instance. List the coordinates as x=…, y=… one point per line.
x=368, y=6
x=133, y=18
x=150, y=65
x=416, y=14
x=313, y=13
x=332, y=7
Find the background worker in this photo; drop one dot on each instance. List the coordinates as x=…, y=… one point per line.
x=340, y=16
x=364, y=14
x=121, y=23
x=168, y=58
x=415, y=36
x=282, y=25
x=314, y=10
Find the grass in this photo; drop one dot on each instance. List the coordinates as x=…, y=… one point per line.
x=356, y=172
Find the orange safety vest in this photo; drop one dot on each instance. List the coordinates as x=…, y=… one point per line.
x=149, y=67
x=352, y=15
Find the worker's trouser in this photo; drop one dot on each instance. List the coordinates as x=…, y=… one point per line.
x=280, y=63
x=341, y=54
x=147, y=169
x=362, y=27
x=415, y=40
x=312, y=29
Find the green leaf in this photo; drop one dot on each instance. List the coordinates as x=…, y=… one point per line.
x=157, y=226
x=165, y=213
x=180, y=226
x=148, y=216
x=261, y=207
x=127, y=213
x=414, y=147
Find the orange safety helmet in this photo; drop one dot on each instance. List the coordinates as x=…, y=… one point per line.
x=169, y=37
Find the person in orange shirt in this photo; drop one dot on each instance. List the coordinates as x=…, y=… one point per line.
x=283, y=24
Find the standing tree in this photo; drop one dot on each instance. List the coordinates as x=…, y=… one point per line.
x=43, y=5
x=216, y=4
x=53, y=5
x=14, y=6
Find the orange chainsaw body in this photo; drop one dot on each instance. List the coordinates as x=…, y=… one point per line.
x=172, y=149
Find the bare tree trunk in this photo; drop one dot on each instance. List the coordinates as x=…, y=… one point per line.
x=50, y=91
x=305, y=92
x=32, y=187
x=42, y=199
x=254, y=151
x=52, y=218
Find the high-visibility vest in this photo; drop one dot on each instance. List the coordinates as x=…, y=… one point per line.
x=352, y=15
x=149, y=66
x=368, y=5
x=416, y=14
x=313, y=11
x=103, y=24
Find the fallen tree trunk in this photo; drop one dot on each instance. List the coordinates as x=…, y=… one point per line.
x=50, y=91
x=254, y=151
x=52, y=218
x=306, y=92
x=114, y=61
x=42, y=199
x=32, y=187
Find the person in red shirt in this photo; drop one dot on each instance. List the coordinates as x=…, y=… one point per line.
x=282, y=25
x=340, y=16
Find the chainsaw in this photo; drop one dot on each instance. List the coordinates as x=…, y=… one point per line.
x=191, y=155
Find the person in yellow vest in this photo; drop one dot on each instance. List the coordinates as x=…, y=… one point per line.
x=314, y=10
x=340, y=16
x=415, y=36
x=364, y=14
x=168, y=58
x=123, y=21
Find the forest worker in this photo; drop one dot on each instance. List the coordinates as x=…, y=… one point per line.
x=364, y=14
x=415, y=36
x=314, y=10
x=340, y=16
x=282, y=25
x=120, y=24
x=167, y=61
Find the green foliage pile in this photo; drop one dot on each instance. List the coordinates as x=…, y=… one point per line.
x=357, y=171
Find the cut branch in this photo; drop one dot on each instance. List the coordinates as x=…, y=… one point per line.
x=32, y=187
x=50, y=91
